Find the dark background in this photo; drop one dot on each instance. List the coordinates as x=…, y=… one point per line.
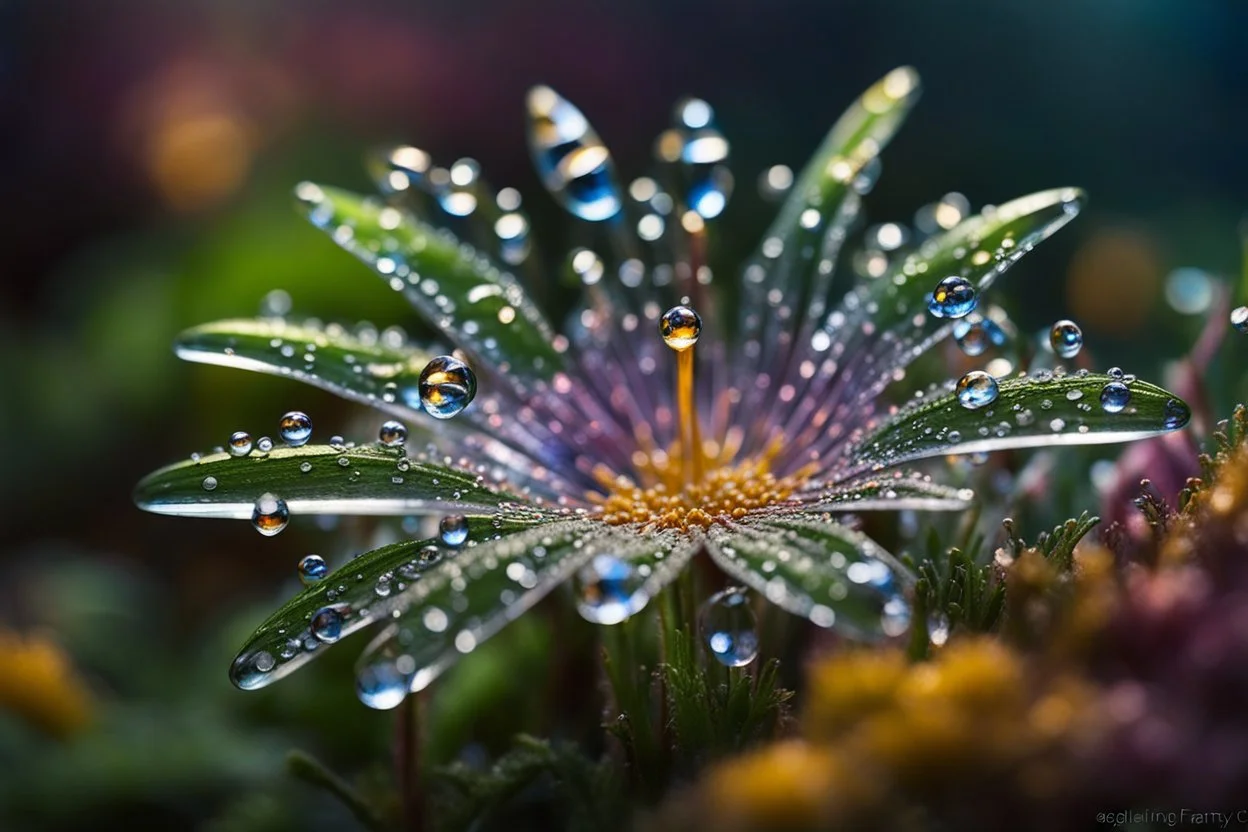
x=148, y=148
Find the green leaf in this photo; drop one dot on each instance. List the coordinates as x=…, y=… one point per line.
x=1030, y=411
x=318, y=479
x=892, y=491
x=818, y=569
x=473, y=302
x=368, y=369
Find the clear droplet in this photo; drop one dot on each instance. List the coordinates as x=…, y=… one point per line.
x=729, y=627
x=383, y=675
x=252, y=670
x=1239, y=318
x=1189, y=291
x=447, y=385
x=609, y=590
x=326, y=625
x=571, y=160
x=264, y=444
x=312, y=568
x=209, y=483
x=1114, y=397
x=269, y=515
x=953, y=297
x=680, y=327
x=977, y=389
x=240, y=443
x=453, y=529
x=275, y=304
x=1066, y=338
x=700, y=150
x=392, y=433
x=975, y=333
x=295, y=428
x=1175, y=414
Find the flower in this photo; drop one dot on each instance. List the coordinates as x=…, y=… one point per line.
x=613, y=454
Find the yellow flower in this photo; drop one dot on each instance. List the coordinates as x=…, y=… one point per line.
x=38, y=683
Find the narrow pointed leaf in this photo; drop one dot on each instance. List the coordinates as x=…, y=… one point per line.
x=477, y=305
x=318, y=479
x=358, y=593
x=818, y=569
x=364, y=369
x=1033, y=411
x=891, y=491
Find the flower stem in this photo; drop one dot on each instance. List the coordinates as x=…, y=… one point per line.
x=407, y=763
x=630, y=687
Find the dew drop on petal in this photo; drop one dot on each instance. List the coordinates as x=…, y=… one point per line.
x=1114, y=397
x=447, y=385
x=680, y=327
x=312, y=568
x=1066, y=338
x=392, y=433
x=729, y=627
x=453, y=529
x=953, y=297
x=609, y=590
x=240, y=443
x=269, y=515
x=1239, y=318
x=326, y=625
x=295, y=428
x=977, y=389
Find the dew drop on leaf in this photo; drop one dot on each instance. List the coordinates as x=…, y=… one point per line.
x=447, y=385
x=953, y=297
x=209, y=483
x=240, y=443
x=609, y=590
x=453, y=529
x=729, y=627
x=1115, y=396
x=326, y=625
x=392, y=433
x=295, y=428
x=269, y=515
x=977, y=389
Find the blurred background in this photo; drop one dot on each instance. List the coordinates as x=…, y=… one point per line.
x=147, y=154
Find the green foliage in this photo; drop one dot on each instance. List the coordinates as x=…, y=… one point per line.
x=1057, y=546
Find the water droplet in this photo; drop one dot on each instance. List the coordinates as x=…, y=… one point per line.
x=264, y=444
x=209, y=483
x=1239, y=318
x=1114, y=396
x=977, y=389
x=240, y=443
x=270, y=515
x=295, y=428
x=1189, y=291
x=701, y=151
x=275, y=304
x=570, y=159
x=680, y=327
x=326, y=625
x=312, y=568
x=392, y=433
x=1066, y=338
x=1175, y=414
x=453, y=529
x=383, y=675
x=609, y=590
x=729, y=627
x=938, y=628
x=953, y=297
x=457, y=194
x=447, y=385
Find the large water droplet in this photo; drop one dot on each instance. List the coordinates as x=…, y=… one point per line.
x=729, y=627
x=392, y=433
x=977, y=389
x=1066, y=339
x=312, y=568
x=700, y=150
x=383, y=675
x=1114, y=396
x=326, y=625
x=295, y=428
x=609, y=590
x=269, y=515
x=953, y=297
x=571, y=160
x=1239, y=318
x=252, y=670
x=1175, y=414
x=453, y=529
x=240, y=443
x=447, y=385
x=680, y=327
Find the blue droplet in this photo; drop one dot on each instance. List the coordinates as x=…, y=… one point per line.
x=326, y=625
x=447, y=385
x=252, y=670
x=1175, y=414
x=1114, y=397
x=571, y=160
x=1066, y=338
x=975, y=333
x=729, y=627
x=392, y=433
x=453, y=529
x=382, y=685
x=295, y=428
x=953, y=297
x=312, y=568
x=240, y=443
x=609, y=590
x=977, y=389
